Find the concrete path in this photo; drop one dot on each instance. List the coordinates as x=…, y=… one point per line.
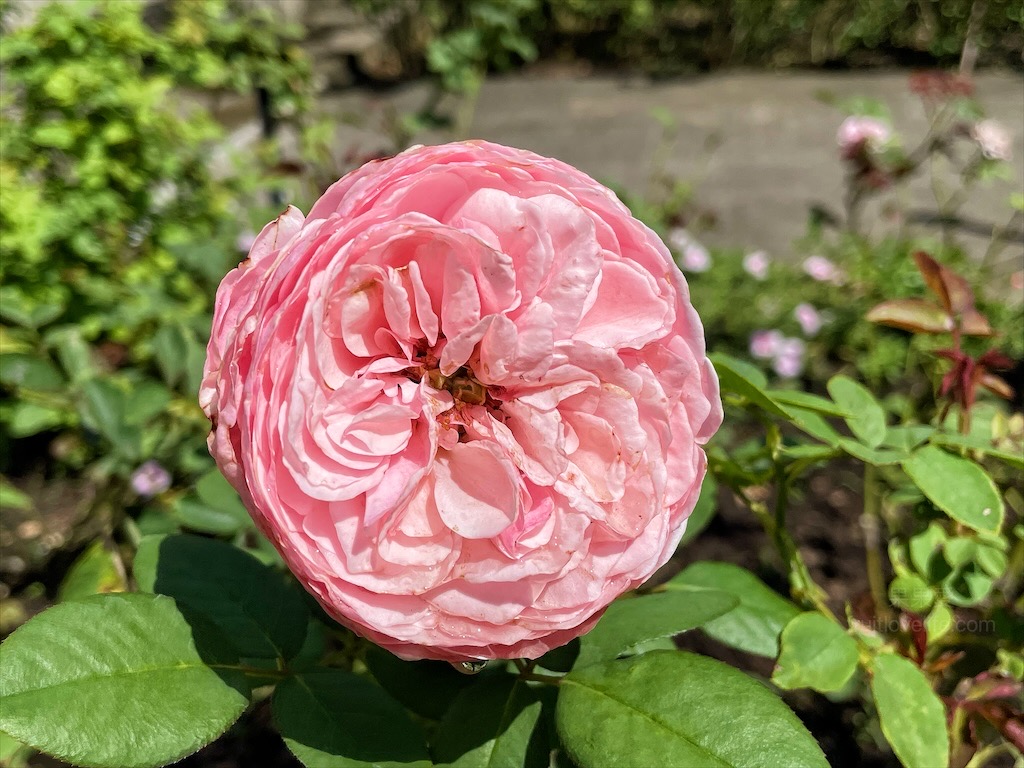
x=776, y=149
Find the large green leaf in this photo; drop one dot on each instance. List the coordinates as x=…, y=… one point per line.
x=753, y=625
x=427, y=688
x=668, y=708
x=912, y=716
x=957, y=486
x=816, y=653
x=867, y=419
x=263, y=614
x=636, y=620
x=334, y=719
x=496, y=723
x=124, y=681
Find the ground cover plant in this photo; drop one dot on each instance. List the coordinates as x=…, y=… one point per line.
x=878, y=365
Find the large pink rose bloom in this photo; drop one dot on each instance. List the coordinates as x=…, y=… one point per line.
x=465, y=398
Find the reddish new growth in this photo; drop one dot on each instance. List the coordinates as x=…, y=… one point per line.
x=954, y=313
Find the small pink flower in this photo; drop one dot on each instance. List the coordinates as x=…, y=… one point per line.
x=764, y=345
x=858, y=131
x=756, y=264
x=694, y=257
x=993, y=139
x=789, y=358
x=823, y=270
x=150, y=480
x=809, y=318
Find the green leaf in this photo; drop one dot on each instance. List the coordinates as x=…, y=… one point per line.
x=427, y=688
x=906, y=437
x=982, y=444
x=93, y=573
x=967, y=585
x=264, y=615
x=745, y=380
x=926, y=552
x=124, y=681
x=867, y=421
x=12, y=497
x=816, y=653
x=753, y=625
x=334, y=719
x=957, y=486
x=939, y=621
x=878, y=457
x=912, y=716
x=703, y=511
x=192, y=513
x=911, y=593
x=28, y=419
x=668, y=708
x=808, y=402
x=103, y=408
x=30, y=372
x=630, y=621
x=814, y=425
x=495, y=724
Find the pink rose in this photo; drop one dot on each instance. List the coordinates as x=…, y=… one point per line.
x=465, y=398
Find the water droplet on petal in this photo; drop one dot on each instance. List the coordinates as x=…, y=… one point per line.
x=469, y=667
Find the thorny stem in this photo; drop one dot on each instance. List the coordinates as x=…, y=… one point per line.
x=870, y=523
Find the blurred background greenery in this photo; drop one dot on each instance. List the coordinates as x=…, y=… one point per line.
x=123, y=204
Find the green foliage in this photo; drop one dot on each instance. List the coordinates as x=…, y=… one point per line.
x=114, y=228
x=333, y=719
x=134, y=681
x=655, y=709
x=912, y=717
x=459, y=41
x=815, y=653
x=757, y=620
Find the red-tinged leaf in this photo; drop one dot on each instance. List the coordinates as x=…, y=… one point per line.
x=916, y=315
x=994, y=360
x=953, y=291
x=997, y=386
x=961, y=297
x=973, y=323
x=949, y=353
x=932, y=274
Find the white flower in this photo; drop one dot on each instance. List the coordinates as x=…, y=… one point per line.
x=993, y=139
